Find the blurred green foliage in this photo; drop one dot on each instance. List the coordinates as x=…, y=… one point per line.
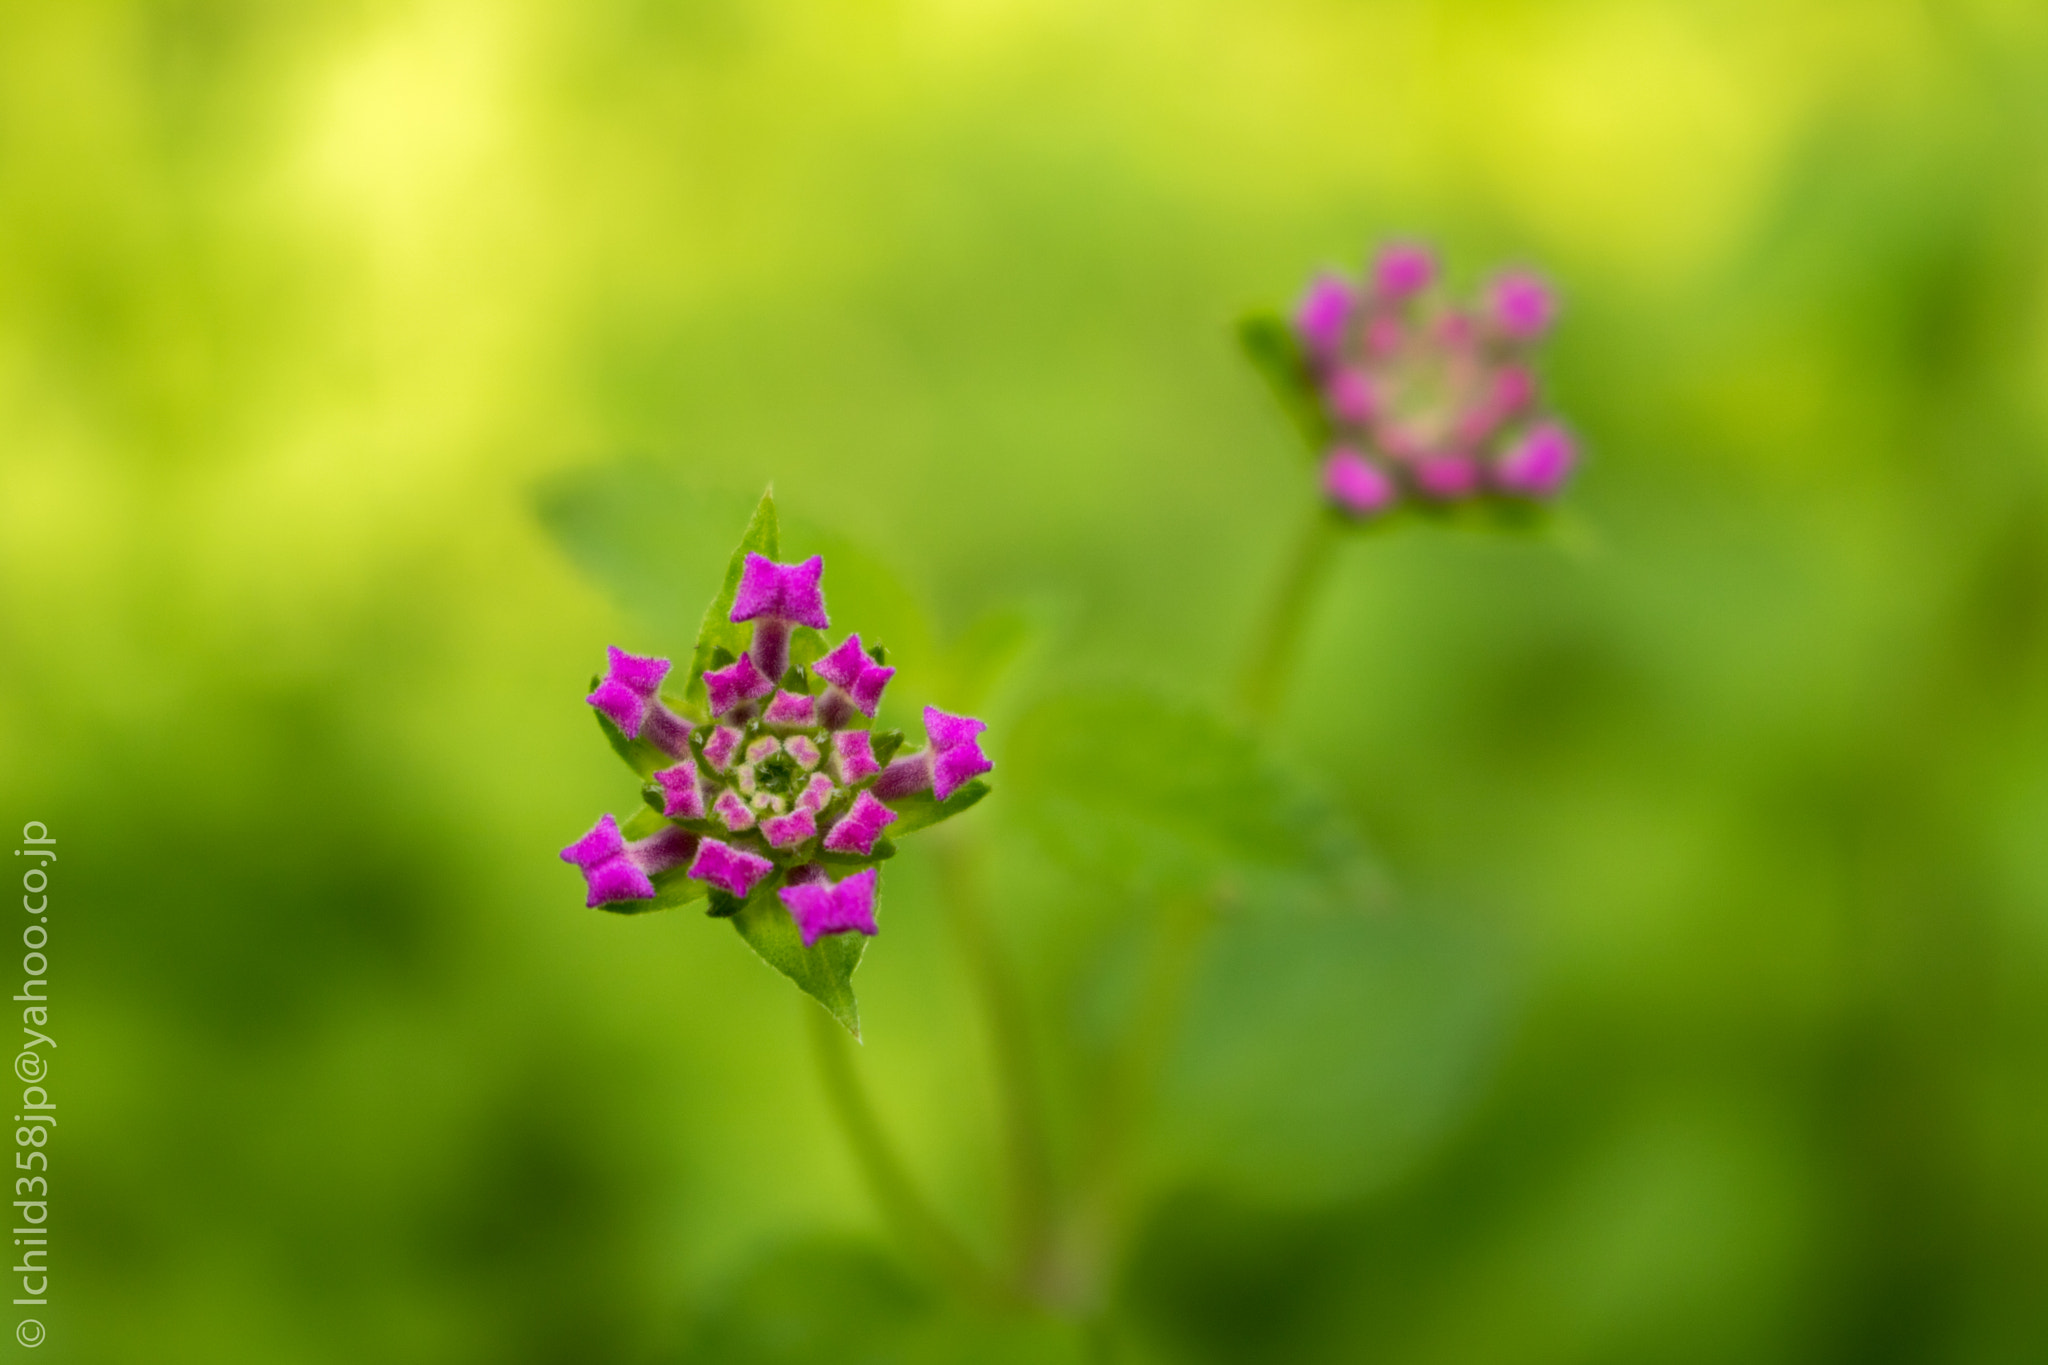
x=366, y=368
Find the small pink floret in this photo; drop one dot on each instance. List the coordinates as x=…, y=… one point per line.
x=732, y=870
x=1323, y=313
x=784, y=592
x=861, y=826
x=782, y=831
x=792, y=708
x=1523, y=305
x=720, y=747
x=682, y=792
x=853, y=756
x=817, y=792
x=736, y=814
x=738, y=682
x=822, y=907
x=1539, y=463
x=956, y=750
x=630, y=688
x=1355, y=484
x=1403, y=270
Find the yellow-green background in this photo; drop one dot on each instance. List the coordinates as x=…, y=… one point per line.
x=336, y=339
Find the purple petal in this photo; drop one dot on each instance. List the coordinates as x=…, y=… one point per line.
x=821, y=908
x=1356, y=485
x=867, y=689
x=682, y=791
x=641, y=673
x=732, y=870
x=1522, y=305
x=1539, y=463
x=817, y=792
x=739, y=681
x=617, y=880
x=953, y=768
x=857, y=831
x=800, y=748
x=853, y=756
x=792, y=708
x=842, y=667
x=622, y=705
x=736, y=814
x=788, y=592
x=781, y=831
x=1403, y=270
x=948, y=731
x=604, y=842
x=851, y=670
x=1322, y=314
x=720, y=747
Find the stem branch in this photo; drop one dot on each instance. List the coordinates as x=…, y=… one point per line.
x=902, y=1205
x=1026, y=1149
x=1272, y=660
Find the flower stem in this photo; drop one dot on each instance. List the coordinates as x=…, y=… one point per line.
x=1272, y=660
x=1026, y=1149
x=888, y=1181
x=1131, y=1080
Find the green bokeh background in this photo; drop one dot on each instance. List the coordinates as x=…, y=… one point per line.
x=366, y=368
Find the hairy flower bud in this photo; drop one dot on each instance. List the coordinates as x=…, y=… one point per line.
x=774, y=777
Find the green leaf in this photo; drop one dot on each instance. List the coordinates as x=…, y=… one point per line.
x=1323, y=1054
x=717, y=630
x=921, y=811
x=1269, y=343
x=823, y=971
x=1142, y=792
x=641, y=529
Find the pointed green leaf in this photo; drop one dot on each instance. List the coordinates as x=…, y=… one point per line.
x=921, y=811
x=823, y=971
x=1137, y=790
x=1269, y=343
x=718, y=631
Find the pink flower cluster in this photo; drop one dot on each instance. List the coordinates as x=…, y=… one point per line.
x=780, y=773
x=1428, y=399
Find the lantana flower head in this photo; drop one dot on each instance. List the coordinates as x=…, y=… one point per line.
x=1425, y=398
x=774, y=794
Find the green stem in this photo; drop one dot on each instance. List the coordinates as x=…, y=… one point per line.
x=1027, y=1152
x=1134, y=1071
x=1272, y=660
x=902, y=1205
